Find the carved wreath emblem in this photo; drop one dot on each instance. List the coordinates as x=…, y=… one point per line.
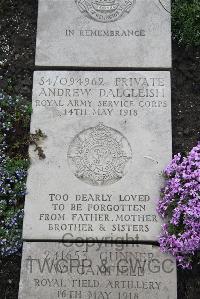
x=105, y=10
x=99, y=155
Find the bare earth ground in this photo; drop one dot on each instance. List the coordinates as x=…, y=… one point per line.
x=17, y=39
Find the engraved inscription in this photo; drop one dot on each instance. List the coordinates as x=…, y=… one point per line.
x=102, y=270
x=105, y=10
x=104, y=154
x=99, y=155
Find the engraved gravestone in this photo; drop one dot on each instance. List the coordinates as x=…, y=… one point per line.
x=96, y=271
x=105, y=11
x=108, y=140
x=99, y=155
x=104, y=33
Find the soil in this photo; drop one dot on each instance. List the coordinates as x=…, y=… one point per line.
x=185, y=98
x=17, y=38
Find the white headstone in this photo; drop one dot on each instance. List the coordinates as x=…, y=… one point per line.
x=108, y=140
x=111, y=33
x=96, y=271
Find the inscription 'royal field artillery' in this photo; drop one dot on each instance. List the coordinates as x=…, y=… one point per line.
x=99, y=155
x=105, y=10
x=108, y=138
x=96, y=271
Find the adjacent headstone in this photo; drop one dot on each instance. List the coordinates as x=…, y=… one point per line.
x=108, y=140
x=104, y=33
x=96, y=271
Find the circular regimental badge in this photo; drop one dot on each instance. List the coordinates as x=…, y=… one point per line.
x=99, y=155
x=105, y=10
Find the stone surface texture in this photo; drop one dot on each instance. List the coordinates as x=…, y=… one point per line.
x=108, y=141
x=96, y=271
x=118, y=33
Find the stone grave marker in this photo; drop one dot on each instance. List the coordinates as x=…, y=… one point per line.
x=96, y=271
x=108, y=140
x=99, y=33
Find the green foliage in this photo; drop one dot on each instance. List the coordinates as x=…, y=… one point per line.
x=186, y=22
x=15, y=118
x=12, y=165
x=175, y=230
x=12, y=190
x=14, y=139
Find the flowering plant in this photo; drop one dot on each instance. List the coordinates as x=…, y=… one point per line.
x=179, y=204
x=14, y=162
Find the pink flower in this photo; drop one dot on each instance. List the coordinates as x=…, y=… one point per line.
x=180, y=205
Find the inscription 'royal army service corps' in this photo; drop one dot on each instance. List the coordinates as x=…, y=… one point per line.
x=105, y=10
x=99, y=155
